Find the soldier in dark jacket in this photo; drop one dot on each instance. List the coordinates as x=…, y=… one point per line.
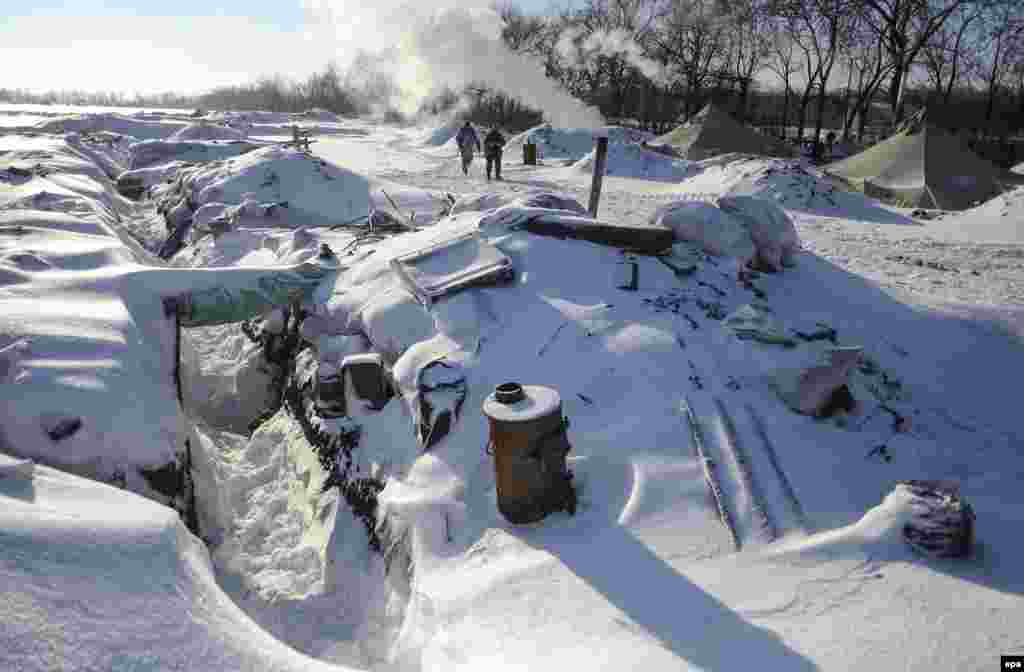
x=467, y=140
x=494, y=145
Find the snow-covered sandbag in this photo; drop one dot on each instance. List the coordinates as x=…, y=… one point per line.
x=812, y=391
x=394, y=320
x=770, y=228
x=717, y=232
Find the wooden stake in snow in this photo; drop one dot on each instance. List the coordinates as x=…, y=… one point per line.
x=601, y=156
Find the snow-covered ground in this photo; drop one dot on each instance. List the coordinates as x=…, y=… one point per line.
x=644, y=574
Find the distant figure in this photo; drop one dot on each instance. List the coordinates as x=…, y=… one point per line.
x=494, y=145
x=467, y=140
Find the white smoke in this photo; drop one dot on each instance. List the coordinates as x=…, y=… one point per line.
x=578, y=49
x=447, y=44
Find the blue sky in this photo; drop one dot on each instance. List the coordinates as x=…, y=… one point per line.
x=184, y=45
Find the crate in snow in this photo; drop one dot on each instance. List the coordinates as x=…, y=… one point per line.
x=448, y=266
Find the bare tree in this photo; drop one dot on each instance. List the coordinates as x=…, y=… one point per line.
x=784, y=63
x=747, y=46
x=943, y=56
x=905, y=27
x=1004, y=29
x=867, y=62
x=690, y=41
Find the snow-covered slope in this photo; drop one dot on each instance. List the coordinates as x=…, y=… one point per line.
x=140, y=129
x=644, y=574
x=633, y=160
x=207, y=131
x=95, y=578
x=570, y=144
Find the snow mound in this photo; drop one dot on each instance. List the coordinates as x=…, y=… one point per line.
x=789, y=183
x=205, y=131
x=705, y=224
x=1000, y=220
x=1019, y=169
x=280, y=188
x=233, y=117
x=571, y=144
x=631, y=160
x=155, y=152
x=442, y=134
x=59, y=174
x=322, y=115
x=114, y=123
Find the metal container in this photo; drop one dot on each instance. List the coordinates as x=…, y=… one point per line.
x=529, y=154
x=369, y=378
x=529, y=442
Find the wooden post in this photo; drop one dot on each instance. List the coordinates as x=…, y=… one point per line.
x=595, y=185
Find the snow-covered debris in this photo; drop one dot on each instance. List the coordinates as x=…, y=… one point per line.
x=207, y=131
x=1019, y=169
x=637, y=161
x=537, y=198
x=115, y=123
x=943, y=523
x=571, y=144
x=136, y=183
x=789, y=183
x=820, y=390
x=707, y=225
x=771, y=229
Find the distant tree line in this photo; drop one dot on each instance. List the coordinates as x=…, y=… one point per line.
x=855, y=66
x=840, y=64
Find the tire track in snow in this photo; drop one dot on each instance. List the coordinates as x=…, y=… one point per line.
x=737, y=483
x=738, y=454
x=782, y=499
x=710, y=471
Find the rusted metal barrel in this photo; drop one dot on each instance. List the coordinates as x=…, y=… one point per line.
x=528, y=436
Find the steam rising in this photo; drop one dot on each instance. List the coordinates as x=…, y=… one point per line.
x=451, y=44
x=578, y=49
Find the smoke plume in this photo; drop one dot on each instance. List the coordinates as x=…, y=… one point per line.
x=446, y=44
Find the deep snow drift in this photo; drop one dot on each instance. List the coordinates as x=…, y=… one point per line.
x=645, y=570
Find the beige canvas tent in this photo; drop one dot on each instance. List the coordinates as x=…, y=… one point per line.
x=712, y=131
x=922, y=165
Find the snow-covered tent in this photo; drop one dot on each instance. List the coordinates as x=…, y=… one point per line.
x=712, y=131
x=922, y=165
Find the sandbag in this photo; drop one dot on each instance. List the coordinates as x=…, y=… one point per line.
x=770, y=228
x=704, y=224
